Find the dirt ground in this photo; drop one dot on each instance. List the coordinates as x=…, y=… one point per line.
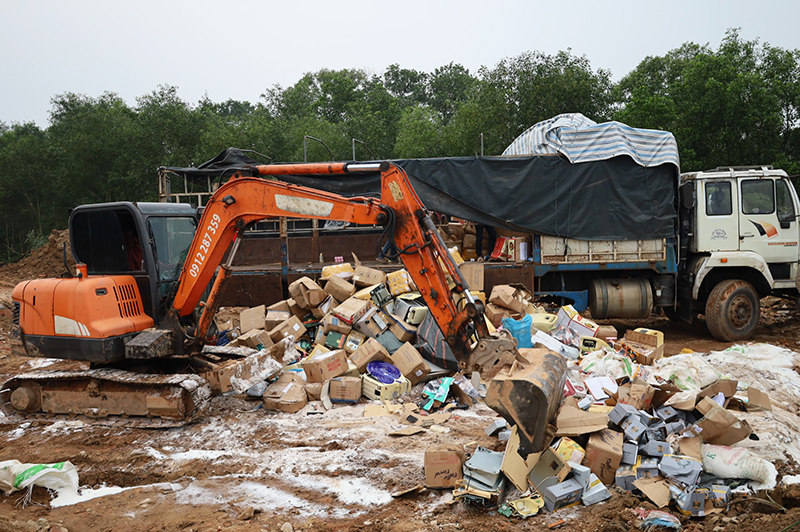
x=328, y=471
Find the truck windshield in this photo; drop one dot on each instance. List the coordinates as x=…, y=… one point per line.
x=173, y=236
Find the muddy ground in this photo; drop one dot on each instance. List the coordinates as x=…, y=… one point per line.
x=307, y=471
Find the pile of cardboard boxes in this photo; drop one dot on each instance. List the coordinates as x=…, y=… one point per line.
x=615, y=428
x=508, y=247
x=350, y=318
x=627, y=438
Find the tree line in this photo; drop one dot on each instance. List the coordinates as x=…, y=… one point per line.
x=737, y=104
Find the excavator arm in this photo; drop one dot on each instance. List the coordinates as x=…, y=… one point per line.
x=245, y=200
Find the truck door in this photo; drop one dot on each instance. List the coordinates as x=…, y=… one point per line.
x=768, y=223
x=717, y=227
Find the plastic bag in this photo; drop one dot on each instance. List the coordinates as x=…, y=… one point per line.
x=602, y=363
x=687, y=372
x=738, y=462
x=520, y=329
x=14, y=475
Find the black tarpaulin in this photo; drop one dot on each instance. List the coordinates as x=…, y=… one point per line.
x=615, y=199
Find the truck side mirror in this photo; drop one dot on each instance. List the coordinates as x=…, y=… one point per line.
x=688, y=197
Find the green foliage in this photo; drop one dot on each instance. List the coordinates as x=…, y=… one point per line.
x=738, y=104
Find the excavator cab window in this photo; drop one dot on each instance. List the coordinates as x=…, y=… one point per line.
x=173, y=236
x=107, y=241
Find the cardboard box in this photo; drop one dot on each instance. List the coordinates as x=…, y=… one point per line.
x=514, y=466
x=667, y=413
x=324, y=308
x=620, y=412
x=256, y=338
x=581, y=474
x=281, y=306
x=369, y=351
x=719, y=426
x=720, y=496
x=292, y=326
x=624, y=478
x=642, y=347
x=443, y=467
x=306, y=293
x=684, y=470
x=473, y=273
x=629, y=453
x=410, y=363
x=573, y=421
x=273, y=318
x=596, y=492
x=352, y=310
x=333, y=323
x=655, y=448
x=508, y=297
x=405, y=332
x=485, y=466
x=568, y=317
x=344, y=271
x=468, y=243
x=373, y=323
x=655, y=488
x=522, y=245
x=640, y=395
x=313, y=390
x=603, y=454
x=548, y=471
x=503, y=248
x=354, y=340
x=240, y=374
x=495, y=314
x=318, y=349
x=646, y=467
x=563, y=495
x=339, y=289
x=400, y=282
x=634, y=429
x=570, y=451
x=692, y=501
x=364, y=276
x=345, y=389
x=326, y=366
x=295, y=309
x=252, y=318
x=285, y=397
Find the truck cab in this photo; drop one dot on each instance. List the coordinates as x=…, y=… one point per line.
x=742, y=237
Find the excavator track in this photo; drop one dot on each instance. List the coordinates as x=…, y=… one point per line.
x=106, y=397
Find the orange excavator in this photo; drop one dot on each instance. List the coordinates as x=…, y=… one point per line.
x=134, y=308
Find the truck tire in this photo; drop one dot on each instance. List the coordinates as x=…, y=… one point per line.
x=732, y=310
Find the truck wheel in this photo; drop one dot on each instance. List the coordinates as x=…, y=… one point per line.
x=732, y=310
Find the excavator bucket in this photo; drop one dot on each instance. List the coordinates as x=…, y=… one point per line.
x=528, y=394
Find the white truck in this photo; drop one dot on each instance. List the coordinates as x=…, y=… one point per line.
x=740, y=228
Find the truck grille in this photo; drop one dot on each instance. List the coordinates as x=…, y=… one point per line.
x=127, y=300
x=15, y=315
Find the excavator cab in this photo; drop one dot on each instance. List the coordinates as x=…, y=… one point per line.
x=147, y=241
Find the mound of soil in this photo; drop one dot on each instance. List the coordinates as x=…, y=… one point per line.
x=45, y=261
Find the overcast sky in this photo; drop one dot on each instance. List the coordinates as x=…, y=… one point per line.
x=238, y=48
